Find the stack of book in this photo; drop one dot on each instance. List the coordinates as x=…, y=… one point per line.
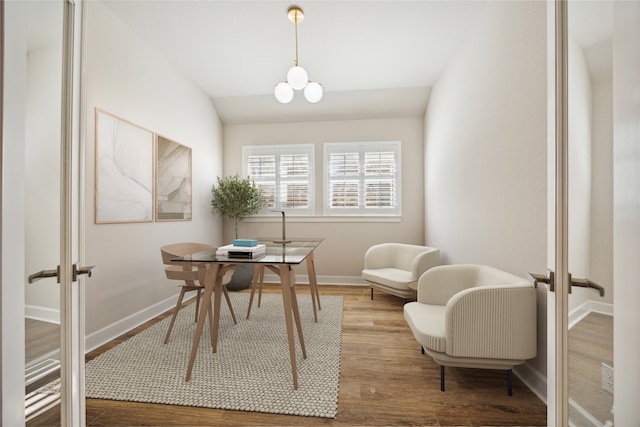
x=242, y=248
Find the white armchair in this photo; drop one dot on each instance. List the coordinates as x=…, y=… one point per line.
x=392, y=267
x=474, y=316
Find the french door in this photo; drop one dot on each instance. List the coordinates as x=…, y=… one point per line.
x=594, y=213
x=41, y=146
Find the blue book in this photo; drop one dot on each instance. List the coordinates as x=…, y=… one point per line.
x=245, y=242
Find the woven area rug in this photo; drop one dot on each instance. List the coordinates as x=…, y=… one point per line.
x=251, y=370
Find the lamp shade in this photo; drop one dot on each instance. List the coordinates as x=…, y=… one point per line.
x=297, y=77
x=313, y=92
x=284, y=92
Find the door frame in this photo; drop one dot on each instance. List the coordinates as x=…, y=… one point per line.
x=626, y=205
x=557, y=214
x=561, y=268
x=72, y=331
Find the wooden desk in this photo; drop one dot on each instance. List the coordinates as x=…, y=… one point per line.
x=279, y=258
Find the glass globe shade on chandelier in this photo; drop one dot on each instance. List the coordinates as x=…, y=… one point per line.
x=297, y=77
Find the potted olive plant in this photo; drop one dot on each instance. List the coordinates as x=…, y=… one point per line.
x=237, y=198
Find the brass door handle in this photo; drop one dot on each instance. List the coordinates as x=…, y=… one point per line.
x=549, y=280
x=541, y=278
x=56, y=273
x=585, y=283
x=43, y=274
x=82, y=270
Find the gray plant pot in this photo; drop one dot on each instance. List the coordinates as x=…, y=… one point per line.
x=242, y=276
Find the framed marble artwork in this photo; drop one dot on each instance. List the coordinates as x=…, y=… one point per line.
x=123, y=171
x=173, y=180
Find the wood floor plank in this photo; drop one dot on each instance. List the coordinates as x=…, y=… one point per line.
x=384, y=381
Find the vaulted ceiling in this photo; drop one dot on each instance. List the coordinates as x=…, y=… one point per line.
x=374, y=58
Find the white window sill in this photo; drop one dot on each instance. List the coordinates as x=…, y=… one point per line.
x=328, y=219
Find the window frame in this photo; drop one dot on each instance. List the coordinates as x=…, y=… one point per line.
x=278, y=151
x=361, y=148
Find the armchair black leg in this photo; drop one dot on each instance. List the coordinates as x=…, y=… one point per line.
x=510, y=382
x=441, y=377
x=422, y=349
x=372, y=294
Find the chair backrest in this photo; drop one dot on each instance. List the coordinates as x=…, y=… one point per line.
x=183, y=270
x=396, y=255
x=405, y=254
x=439, y=284
x=180, y=249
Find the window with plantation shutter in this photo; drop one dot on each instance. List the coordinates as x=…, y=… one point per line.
x=285, y=175
x=362, y=178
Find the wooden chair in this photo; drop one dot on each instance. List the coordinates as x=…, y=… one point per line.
x=192, y=275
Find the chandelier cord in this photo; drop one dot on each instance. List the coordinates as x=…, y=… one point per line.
x=296, y=26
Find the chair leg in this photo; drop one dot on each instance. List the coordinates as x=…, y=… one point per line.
x=197, y=304
x=258, y=273
x=226, y=296
x=371, y=294
x=260, y=282
x=175, y=313
x=441, y=377
x=510, y=382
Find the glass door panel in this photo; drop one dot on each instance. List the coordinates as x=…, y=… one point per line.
x=590, y=213
x=43, y=118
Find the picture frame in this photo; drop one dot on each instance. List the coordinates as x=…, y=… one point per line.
x=173, y=180
x=124, y=170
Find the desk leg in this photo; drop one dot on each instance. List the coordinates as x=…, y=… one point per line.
x=210, y=283
x=285, y=280
x=313, y=285
x=296, y=313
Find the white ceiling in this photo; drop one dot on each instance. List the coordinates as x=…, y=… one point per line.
x=373, y=58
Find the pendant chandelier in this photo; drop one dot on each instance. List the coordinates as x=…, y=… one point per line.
x=297, y=77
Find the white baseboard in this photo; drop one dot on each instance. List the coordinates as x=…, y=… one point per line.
x=589, y=306
x=114, y=330
x=43, y=314
x=580, y=417
x=303, y=279
x=532, y=378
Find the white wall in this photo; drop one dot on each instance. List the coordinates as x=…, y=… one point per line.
x=127, y=78
x=579, y=172
x=42, y=183
x=601, y=265
x=626, y=199
x=486, y=151
x=339, y=259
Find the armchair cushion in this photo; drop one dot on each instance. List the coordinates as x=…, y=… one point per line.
x=427, y=325
x=392, y=277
